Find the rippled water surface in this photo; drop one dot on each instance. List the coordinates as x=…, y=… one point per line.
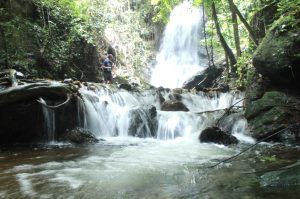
x=145, y=168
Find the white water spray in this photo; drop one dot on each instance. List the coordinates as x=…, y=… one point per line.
x=178, y=57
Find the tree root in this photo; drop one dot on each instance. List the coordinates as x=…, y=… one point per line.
x=43, y=103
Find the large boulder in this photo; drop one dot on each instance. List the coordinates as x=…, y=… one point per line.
x=204, y=79
x=277, y=57
x=79, y=136
x=271, y=113
x=173, y=105
x=216, y=135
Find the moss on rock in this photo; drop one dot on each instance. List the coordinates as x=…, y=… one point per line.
x=277, y=57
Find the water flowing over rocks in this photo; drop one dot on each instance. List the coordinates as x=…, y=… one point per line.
x=46, y=110
x=27, y=111
x=143, y=122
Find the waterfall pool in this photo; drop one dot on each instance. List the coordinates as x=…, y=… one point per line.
x=130, y=167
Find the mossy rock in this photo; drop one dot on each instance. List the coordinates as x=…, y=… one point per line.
x=278, y=57
x=268, y=101
x=272, y=112
x=287, y=178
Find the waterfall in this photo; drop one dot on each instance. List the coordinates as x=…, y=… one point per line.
x=122, y=113
x=178, y=58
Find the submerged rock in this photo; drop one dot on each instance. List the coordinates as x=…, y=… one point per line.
x=79, y=136
x=173, y=105
x=216, y=135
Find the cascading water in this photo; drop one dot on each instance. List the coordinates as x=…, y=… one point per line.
x=49, y=122
x=178, y=58
x=121, y=113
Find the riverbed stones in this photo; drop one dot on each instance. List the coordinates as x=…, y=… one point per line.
x=216, y=135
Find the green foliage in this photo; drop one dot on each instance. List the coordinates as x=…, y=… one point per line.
x=48, y=40
x=288, y=7
x=163, y=9
x=243, y=69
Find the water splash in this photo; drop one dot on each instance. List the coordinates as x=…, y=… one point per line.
x=178, y=58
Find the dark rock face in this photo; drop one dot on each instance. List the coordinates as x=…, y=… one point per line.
x=173, y=105
x=143, y=122
x=79, y=136
x=21, y=123
x=271, y=113
x=124, y=86
x=204, y=79
x=216, y=135
x=277, y=57
x=24, y=122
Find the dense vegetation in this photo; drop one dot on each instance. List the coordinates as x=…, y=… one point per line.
x=61, y=38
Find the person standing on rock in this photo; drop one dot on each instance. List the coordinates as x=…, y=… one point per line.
x=107, y=68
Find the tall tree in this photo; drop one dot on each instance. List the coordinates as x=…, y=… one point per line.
x=235, y=29
x=223, y=42
x=244, y=21
x=2, y=33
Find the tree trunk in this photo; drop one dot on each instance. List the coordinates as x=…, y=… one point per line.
x=235, y=29
x=223, y=42
x=2, y=33
x=205, y=38
x=248, y=27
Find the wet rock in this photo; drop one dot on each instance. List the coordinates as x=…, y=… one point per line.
x=226, y=123
x=79, y=136
x=271, y=113
x=286, y=178
x=216, y=135
x=204, y=79
x=277, y=57
x=173, y=105
x=124, y=86
x=143, y=121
